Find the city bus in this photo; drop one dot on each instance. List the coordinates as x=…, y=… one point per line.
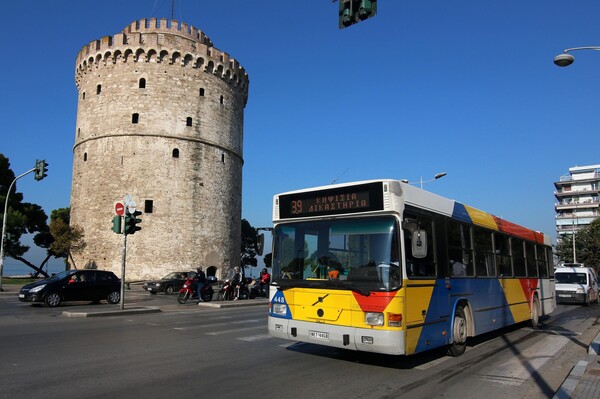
x=383, y=266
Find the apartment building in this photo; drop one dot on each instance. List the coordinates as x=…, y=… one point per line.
x=577, y=199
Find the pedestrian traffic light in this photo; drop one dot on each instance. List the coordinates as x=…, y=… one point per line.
x=41, y=169
x=131, y=222
x=117, y=225
x=354, y=11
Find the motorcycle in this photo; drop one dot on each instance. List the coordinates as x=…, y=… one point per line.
x=258, y=291
x=227, y=292
x=188, y=291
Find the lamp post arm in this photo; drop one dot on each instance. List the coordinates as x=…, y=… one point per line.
x=581, y=48
x=4, y=223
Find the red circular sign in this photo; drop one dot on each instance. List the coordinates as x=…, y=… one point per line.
x=120, y=209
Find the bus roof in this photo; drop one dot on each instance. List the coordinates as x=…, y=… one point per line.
x=427, y=200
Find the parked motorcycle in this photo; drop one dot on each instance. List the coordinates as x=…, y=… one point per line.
x=188, y=291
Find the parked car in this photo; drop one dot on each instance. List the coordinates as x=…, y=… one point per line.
x=169, y=284
x=74, y=285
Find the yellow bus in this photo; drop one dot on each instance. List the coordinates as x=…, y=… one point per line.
x=383, y=266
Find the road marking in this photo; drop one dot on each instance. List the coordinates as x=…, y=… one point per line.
x=254, y=338
x=521, y=367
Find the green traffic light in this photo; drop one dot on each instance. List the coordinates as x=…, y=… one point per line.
x=117, y=225
x=131, y=222
x=41, y=169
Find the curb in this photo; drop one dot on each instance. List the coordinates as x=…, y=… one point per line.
x=568, y=387
x=124, y=312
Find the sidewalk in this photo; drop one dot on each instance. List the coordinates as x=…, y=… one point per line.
x=584, y=380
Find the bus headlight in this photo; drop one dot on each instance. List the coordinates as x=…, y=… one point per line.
x=374, y=319
x=279, y=309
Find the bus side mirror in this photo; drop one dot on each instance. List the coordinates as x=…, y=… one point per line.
x=419, y=243
x=260, y=245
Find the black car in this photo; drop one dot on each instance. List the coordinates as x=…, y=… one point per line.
x=74, y=285
x=169, y=284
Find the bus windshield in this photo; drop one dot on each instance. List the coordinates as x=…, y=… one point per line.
x=356, y=254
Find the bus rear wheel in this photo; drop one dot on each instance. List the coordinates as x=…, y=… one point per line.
x=459, y=333
x=535, y=313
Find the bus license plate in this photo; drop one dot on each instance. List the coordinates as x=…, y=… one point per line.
x=319, y=335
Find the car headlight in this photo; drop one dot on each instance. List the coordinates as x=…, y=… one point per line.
x=157, y=284
x=374, y=319
x=38, y=288
x=279, y=309
x=580, y=290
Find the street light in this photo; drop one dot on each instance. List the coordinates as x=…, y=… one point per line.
x=437, y=176
x=564, y=59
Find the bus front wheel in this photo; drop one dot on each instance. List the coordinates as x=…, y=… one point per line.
x=459, y=333
x=535, y=312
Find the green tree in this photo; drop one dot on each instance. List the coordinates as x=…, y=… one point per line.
x=67, y=239
x=21, y=218
x=249, y=244
x=587, y=246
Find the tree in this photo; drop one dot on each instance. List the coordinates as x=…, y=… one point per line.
x=249, y=244
x=587, y=246
x=21, y=218
x=67, y=239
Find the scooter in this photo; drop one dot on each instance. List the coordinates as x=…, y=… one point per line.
x=188, y=291
x=227, y=292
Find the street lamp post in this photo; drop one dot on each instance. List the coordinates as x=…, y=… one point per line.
x=421, y=181
x=565, y=59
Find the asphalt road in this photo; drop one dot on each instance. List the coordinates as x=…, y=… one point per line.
x=190, y=351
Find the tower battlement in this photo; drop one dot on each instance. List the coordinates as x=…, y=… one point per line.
x=162, y=41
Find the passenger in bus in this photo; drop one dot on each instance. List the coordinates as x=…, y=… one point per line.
x=458, y=268
x=333, y=273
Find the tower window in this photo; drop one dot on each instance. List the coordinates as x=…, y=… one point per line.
x=223, y=158
x=188, y=121
x=84, y=156
x=135, y=118
x=148, y=206
x=142, y=83
x=222, y=100
x=78, y=132
x=201, y=92
x=98, y=89
x=83, y=95
x=175, y=152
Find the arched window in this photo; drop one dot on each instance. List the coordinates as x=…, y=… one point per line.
x=135, y=118
x=188, y=121
x=202, y=92
x=175, y=152
x=98, y=89
x=142, y=83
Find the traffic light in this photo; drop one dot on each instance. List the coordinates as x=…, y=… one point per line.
x=131, y=222
x=354, y=11
x=117, y=225
x=41, y=169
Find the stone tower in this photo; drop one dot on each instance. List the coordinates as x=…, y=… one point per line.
x=160, y=117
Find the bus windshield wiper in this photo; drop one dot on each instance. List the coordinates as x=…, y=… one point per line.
x=347, y=286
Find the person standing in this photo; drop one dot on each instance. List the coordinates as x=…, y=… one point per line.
x=200, y=283
x=265, y=279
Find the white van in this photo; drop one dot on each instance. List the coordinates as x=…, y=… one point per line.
x=577, y=284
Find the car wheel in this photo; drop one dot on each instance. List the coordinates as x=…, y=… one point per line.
x=169, y=289
x=114, y=297
x=53, y=299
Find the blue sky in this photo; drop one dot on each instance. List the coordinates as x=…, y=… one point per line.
x=466, y=87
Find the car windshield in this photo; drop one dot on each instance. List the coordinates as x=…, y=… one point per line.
x=61, y=275
x=356, y=254
x=570, y=278
x=172, y=276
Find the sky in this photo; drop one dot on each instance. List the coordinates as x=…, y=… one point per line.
x=465, y=87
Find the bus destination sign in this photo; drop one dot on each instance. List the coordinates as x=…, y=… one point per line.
x=335, y=201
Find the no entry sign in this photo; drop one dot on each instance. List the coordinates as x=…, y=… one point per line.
x=119, y=208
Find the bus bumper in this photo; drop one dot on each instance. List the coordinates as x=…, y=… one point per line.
x=358, y=339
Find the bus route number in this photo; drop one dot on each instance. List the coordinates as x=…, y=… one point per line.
x=296, y=207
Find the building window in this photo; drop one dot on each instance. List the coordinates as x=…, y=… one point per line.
x=83, y=95
x=148, y=206
x=223, y=158
x=84, y=156
x=188, y=121
x=135, y=118
x=175, y=152
x=202, y=92
x=78, y=132
x=222, y=100
x=98, y=89
x=142, y=83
